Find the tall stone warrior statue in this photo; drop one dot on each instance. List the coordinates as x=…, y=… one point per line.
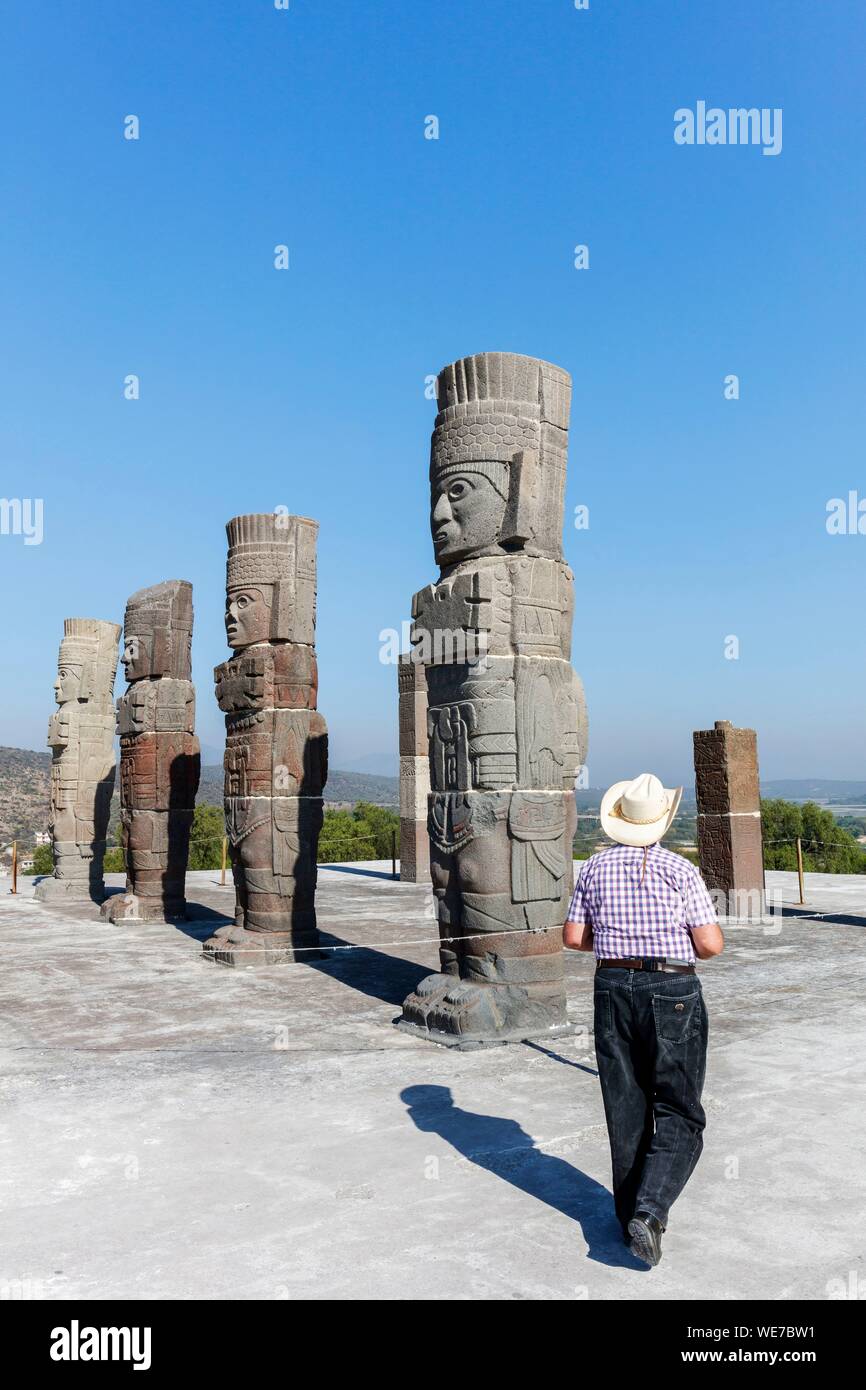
x=507, y=718
x=160, y=763
x=81, y=738
x=276, y=742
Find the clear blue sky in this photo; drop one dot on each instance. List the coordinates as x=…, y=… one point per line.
x=305, y=388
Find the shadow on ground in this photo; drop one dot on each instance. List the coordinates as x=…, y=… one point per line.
x=363, y=873
x=503, y=1148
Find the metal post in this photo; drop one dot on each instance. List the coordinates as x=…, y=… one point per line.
x=802, y=901
x=225, y=846
x=14, y=866
x=393, y=854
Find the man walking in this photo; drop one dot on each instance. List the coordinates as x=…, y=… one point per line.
x=646, y=914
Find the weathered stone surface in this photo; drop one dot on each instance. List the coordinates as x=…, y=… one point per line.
x=414, y=770
x=81, y=738
x=276, y=758
x=160, y=760
x=506, y=717
x=414, y=851
x=730, y=842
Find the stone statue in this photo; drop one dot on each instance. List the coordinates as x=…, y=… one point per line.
x=160, y=763
x=81, y=738
x=507, y=718
x=276, y=742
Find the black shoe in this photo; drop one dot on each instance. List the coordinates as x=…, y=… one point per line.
x=646, y=1231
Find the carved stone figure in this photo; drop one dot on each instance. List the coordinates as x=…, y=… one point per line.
x=81, y=738
x=276, y=742
x=414, y=771
x=730, y=838
x=507, y=718
x=160, y=762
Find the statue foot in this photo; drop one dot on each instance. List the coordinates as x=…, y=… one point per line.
x=234, y=945
x=428, y=993
x=471, y=1013
x=219, y=935
x=128, y=907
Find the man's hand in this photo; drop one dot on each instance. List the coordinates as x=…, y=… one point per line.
x=707, y=941
x=577, y=936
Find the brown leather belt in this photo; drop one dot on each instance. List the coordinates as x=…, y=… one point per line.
x=646, y=963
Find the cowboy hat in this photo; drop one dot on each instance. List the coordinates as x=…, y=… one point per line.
x=639, y=812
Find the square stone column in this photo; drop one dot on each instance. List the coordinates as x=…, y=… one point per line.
x=730, y=841
x=414, y=771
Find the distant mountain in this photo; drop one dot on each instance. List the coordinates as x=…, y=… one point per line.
x=342, y=787
x=372, y=764
x=25, y=792
x=813, y=788
x=25, y=788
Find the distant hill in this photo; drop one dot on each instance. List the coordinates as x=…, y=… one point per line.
x=25, y=792
x=814, y=789
x=344, y=787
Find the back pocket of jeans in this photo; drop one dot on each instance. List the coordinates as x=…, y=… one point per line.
x=676, y=1015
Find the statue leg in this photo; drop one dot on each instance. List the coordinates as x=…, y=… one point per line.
x=512, y=907
x=275, y=870
x=427, y=994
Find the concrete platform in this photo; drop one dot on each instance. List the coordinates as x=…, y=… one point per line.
x=171, y=1129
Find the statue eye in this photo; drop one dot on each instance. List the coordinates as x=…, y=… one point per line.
x=456, y=491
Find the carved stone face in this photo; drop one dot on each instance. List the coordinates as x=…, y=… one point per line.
x=68, y=684
x=248, y=616
x=137, y=657
x=466, y=516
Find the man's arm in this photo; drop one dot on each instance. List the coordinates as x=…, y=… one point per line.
x=577, y=936
x=707, y=941
x=577, y=932
x=701, y=919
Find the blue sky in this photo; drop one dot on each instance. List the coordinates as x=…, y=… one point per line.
x=305, y=388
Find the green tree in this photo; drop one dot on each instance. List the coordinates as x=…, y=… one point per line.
x=365, y=832
x=827, y=847
x=43, y=861
x=206, y=837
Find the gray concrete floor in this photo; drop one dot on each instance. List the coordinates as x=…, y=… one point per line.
x=174, y=1129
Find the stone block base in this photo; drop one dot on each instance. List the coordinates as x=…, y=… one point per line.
x=414, y=851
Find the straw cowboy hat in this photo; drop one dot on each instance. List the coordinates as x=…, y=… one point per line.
x=639, y=812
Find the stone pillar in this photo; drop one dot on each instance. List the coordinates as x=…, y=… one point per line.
x=414, y=771
x=507, y=720
x=160, y=762
x=730, y=842
x=81, y=738
x=276, y=742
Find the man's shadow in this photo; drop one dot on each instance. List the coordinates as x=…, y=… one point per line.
x=502, y=1147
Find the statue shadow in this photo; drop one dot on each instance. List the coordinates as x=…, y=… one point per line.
x=503, y=1148
x=363, y=873
x=371, y=972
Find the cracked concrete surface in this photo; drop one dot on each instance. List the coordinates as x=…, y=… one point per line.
x=174, y=1129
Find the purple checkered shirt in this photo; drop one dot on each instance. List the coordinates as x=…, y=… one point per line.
x=630, y=918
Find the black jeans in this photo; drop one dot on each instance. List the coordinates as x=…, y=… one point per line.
x=651, y=1048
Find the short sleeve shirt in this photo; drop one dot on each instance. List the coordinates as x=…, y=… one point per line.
x=633, y=913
